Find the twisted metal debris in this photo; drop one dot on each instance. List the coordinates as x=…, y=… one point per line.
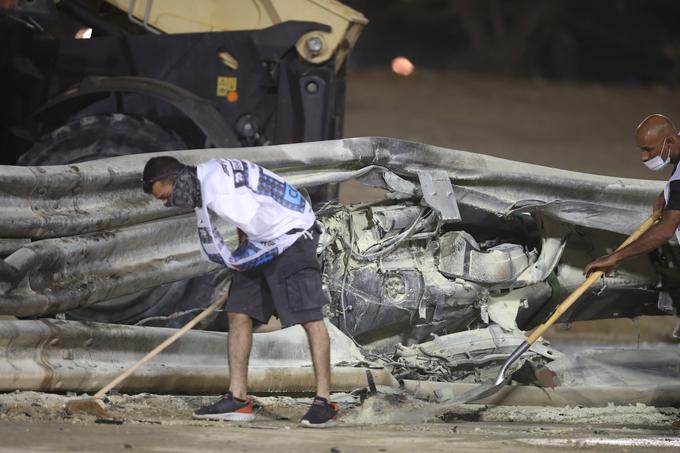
x=95, y=235
x=463, y=243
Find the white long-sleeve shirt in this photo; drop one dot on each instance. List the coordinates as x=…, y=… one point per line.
x=258, y=202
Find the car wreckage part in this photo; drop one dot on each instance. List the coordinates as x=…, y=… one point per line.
x=390, y=268
x=93, y=240
x=467, y=356
x=489, y=388
x=58, y=356
x=588, y=378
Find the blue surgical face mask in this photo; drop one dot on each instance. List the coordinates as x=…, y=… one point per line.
x=657, y=163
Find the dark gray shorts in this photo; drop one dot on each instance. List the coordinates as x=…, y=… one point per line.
x=289, y=286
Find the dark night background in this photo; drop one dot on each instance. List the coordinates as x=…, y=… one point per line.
x=627, y=41
x=551, y=82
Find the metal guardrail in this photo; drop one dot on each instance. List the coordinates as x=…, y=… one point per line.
x=53, y=201
x=95, y=235
x=59, y=356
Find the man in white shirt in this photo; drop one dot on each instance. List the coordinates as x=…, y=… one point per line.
x=659, y=144
x=275, y=268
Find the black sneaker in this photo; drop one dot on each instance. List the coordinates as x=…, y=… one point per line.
x=322, y=414
x=227, y=408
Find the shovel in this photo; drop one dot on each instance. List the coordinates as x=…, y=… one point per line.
x=490, y=387
x=96, y=406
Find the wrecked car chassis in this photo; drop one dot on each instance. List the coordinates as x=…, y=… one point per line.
x=465, y=252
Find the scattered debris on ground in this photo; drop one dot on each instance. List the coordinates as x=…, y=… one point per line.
x=380, y=409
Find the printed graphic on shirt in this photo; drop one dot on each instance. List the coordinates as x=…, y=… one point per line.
x=206, y=242
x=281, y=192
x=240, y=173
x=673, y=195
x=270, y=255
x=248, y=249
x=268, y=190
x=245, y=250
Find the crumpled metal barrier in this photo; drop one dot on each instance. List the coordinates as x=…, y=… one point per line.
x=98, y=236
x=52, y=355
x=65, y=200
x=39, y=202
x=71, y=272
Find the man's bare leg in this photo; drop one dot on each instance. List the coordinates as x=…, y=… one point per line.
x=240, y=343
x=320, y=347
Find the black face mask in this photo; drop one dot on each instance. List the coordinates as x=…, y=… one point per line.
x=186, y=190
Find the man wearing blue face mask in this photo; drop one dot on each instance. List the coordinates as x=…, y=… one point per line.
x=659, y=144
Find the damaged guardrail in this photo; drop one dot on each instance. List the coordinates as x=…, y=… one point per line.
x=52, y=355
x=97, y=236
x=65, y=273
x=40, y=202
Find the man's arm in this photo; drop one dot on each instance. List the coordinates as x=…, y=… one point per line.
x=659, y=203
x=654, y=238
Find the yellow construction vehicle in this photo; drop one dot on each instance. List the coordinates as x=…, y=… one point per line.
x=79, y=77
x=89, y=79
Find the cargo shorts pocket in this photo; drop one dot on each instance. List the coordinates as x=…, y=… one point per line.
x=304, y=289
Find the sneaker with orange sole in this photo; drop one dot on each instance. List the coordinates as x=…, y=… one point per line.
x=227, y=408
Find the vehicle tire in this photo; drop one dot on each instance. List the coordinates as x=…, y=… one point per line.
x=99, y=137
x=110, y=135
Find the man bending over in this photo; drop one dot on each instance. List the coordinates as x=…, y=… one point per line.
x=275, y=268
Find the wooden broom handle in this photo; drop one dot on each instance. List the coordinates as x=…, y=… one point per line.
x=214, y=306
x=592, y=278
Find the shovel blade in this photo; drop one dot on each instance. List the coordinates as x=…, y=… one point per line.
x=483, y=390
x=488, y=388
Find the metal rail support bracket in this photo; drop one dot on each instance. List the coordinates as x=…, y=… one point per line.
x=438, y=194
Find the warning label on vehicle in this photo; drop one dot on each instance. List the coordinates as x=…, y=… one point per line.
x=225, y=85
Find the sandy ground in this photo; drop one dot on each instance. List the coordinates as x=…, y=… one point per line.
x=576, y=127
x=587, y=128
x=39, y=422
x=462, y=437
